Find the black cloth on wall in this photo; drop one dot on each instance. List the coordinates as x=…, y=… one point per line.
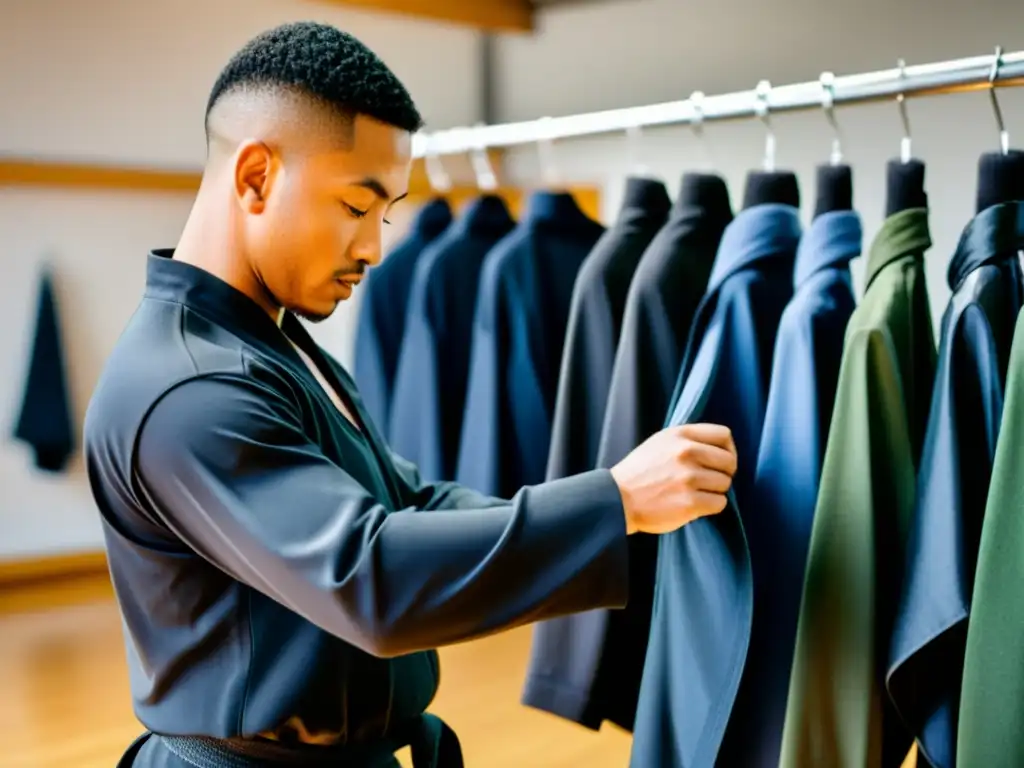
x=592, y=672
x=45, y=421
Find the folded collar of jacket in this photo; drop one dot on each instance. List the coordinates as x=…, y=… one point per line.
x=832, y=240
x=994, y=234
x=903, y=234
x=432, y=219
x=486, y=214
x=756, y=233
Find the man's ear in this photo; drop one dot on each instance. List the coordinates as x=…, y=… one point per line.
x=255, y=168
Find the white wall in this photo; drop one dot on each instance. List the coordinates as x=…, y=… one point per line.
x=127, y=81
x=623, y=52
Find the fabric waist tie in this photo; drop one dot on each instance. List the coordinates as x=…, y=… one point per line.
x=433, y=745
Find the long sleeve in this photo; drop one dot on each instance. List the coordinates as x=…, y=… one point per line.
x=417, y=422
x=992, y=696
x=953, y=481
x=223, y=462
x=838, y=714
x=483, y=446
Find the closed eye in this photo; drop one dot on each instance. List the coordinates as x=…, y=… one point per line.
x=358, y=213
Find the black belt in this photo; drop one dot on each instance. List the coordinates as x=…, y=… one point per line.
x=433, y=744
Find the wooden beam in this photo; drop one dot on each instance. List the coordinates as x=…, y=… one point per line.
x=491, y=15
x=33, y=172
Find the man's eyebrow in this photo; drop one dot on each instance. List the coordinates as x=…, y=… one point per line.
x=379, y=189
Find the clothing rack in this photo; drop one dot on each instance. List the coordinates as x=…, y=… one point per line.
x=954, y=76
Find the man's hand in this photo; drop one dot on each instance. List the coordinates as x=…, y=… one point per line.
x=676, y=476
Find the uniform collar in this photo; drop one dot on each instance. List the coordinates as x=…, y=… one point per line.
x=486, y=214
x=832, y=240
x=175, y=281
x=902, y=234
x=756, y=233
x=992, y=235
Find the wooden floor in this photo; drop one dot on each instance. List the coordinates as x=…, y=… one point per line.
x=64, y=699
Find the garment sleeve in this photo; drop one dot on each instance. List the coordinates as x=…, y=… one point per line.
x=224, y=462
x=992, y=701
x=415, y=429
x=837, y=711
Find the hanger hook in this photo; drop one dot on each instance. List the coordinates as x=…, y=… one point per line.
x=697, y=123
x=764, y=88
x=437, y=176
x=828, y=103
x=546, y=152
x=1004, y=136
x=635, y=139
x=901, y=100
x=486, y=179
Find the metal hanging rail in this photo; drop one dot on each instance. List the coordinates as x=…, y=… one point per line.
x=959, y=75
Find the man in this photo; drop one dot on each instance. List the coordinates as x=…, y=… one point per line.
x=282, y=575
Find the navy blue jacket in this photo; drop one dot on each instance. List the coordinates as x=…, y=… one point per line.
x=280, y=572
x=953, y=478
x=430, y=386
x=703, y=601
x=383, y=311
x=587, y=667
x=780, y=511
x=518, y=337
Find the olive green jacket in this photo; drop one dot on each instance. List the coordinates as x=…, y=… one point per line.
x=838, y=714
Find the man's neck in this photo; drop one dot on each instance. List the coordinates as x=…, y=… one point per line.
x=206, y=242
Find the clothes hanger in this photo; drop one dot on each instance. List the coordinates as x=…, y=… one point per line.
x=905, y=175
x=483, y=170
x=704, y=188
x=769, y=185
x=834, y=180
x=1000, y=174
x=437, y=176
x=638, y=169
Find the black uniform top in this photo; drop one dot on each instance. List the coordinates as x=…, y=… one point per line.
x=280, y=571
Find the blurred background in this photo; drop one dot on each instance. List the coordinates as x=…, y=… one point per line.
x=101, y=142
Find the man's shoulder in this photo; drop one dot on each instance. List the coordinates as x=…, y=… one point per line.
x=161, y=351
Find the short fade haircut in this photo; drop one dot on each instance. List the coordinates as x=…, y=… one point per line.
x=323, y=63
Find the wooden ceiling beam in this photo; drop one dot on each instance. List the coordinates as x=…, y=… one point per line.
x=490, y=15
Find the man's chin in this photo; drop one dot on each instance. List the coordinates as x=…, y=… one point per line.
x=313, y=317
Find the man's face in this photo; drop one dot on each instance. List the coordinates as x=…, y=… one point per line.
x=315, y=226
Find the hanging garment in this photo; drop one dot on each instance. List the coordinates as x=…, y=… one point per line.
x=587, y=667
x=382, y=314
x=45, y=421
x=953, y=479
x=595, y=321
x=287, y=575
x=838, y=713
x=701, y=622
x=433, y=367
x=518, y=334
x=805, y=374
x=991, y=706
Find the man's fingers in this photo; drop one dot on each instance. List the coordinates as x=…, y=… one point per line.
x=708, y=503
x=712, y=434
x=711, y=481
x=709, y=457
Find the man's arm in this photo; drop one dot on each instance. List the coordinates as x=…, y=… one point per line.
x=224, y=463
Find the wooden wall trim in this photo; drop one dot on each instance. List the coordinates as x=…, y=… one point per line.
x=491, y=15
x=18, y=171
x=22, y=570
